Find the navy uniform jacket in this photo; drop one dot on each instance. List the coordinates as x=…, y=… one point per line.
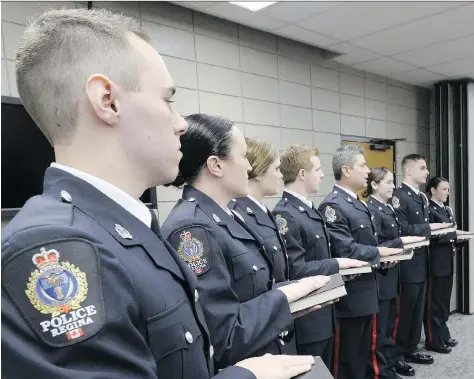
x=235, y=278
x=442, y=248
x=88, y=290
x=353, y=235
x=413, y=214
x=264, y=224
x=309, y=253
x=388, y=235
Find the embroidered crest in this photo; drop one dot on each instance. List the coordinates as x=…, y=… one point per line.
x=62, y=297
x=395, y=202
x=330, y=214
x=191, y=250
x=282, y=224
x=55, y=288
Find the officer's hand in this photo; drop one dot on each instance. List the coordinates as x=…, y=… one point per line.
x=438, y=225
x=277, y=366
x=303, y=287
x=388, y=264
x=350, y=263
x=411, y=239
x=387, y=251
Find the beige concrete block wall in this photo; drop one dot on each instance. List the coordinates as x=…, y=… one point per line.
x=272, y=88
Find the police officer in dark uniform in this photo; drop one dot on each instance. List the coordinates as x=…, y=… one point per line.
x=263, y=181
x=440, y=282
x=380, y=186
x=88, y=283
x=246, y=315
x=411, y=208
x=308, y=246
x=353, y=234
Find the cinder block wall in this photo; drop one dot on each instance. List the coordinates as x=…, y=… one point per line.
x=270, y=87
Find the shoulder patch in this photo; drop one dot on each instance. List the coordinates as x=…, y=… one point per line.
x=330, y=214
x=395, y=202
x=192, y=245
x=282, y=224
x=62, y=298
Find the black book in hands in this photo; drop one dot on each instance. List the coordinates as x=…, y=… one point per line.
x=333, y=290
x=318, y=371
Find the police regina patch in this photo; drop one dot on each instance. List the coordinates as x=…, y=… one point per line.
x=57, y=287
x=193, y=248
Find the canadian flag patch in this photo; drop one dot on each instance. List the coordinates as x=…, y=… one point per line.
x=76, y=333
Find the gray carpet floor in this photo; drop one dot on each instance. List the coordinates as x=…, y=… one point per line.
x=460, y=363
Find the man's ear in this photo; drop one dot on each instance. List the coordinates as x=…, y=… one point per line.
x=346, y=171
x=103, y=96
x=302, y=174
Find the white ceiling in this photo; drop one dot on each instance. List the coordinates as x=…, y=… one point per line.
x=417, y=42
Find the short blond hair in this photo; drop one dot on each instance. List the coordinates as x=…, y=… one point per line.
x=295, y=158
x=261, y=154
x=60, y=50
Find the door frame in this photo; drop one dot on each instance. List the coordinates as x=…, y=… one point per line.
x=381, y=141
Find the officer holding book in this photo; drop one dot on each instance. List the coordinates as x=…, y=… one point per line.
x=379, y=190
x=353, y=235
x=308, y=244
x=411, y=208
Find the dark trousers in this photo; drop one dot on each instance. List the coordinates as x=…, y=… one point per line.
x=352, y=347
x=412, y=310
x=321, y=349
x=437, y=310
x=385, y=353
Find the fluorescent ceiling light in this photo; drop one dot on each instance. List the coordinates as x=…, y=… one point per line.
x=254, y=6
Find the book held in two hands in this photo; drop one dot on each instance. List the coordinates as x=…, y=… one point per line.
x=333, y=290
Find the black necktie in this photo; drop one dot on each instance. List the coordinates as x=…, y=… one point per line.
x=155, y=225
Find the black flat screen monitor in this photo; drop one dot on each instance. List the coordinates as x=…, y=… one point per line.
x=26, y=154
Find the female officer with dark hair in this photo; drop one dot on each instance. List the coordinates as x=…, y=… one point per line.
x=440, y=284
x=380, y=186
x=246, y=317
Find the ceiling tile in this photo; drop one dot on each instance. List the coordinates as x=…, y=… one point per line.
x=306, y=36
x=439, y=53
x=418, y=76
x=244, y=16
x=356, y=19
x=295, y=11
x=384, y=66
x=353, y=54
x=413, y=35
x=456, y=68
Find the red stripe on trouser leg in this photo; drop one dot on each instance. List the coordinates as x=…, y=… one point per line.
x=336, y=350
x=428, y=314
x=397, y=319
x=374, y=347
